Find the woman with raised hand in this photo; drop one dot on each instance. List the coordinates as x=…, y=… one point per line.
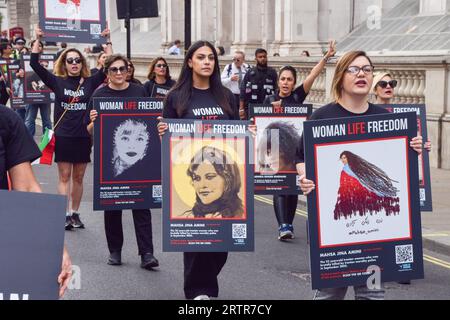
x=73, y=86
x=285, y=206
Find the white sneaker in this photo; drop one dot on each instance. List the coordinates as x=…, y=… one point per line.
x=202, y=297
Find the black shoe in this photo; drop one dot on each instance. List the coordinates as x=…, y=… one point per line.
x=115, y=258
x=148, y=261
x=405, y=282
x=76, y=222
x=68, y=225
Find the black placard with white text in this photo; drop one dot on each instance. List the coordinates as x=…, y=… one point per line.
x=74, y=21
x=127, y=151
x=207, y=187
x=36, y=91
x=31, y=245
x=278, y=138
x=16, y=85
x=426, y=202
x=364, y=215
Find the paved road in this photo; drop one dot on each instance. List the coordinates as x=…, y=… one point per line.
x=275, y=271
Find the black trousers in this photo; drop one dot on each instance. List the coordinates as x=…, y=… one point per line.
x=285, y=207
x=237, y=100
x=200, y=273
x=142, y=226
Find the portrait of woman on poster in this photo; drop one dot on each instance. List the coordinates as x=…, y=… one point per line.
x=217, y=183
x=364, y=189
x=281, y=158
x=130, y=144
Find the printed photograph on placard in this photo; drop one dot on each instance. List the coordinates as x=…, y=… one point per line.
x=276, y=144
x=363, y=197
x=73, y=9
x=208, y=180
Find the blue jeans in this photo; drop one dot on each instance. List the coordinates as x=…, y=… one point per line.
x=21, y=112
x=30, y=120
x=361, y=293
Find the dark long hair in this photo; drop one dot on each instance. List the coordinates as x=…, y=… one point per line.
x=229, y=205
x=369, y=174
x=184, y=86
x=288, y=140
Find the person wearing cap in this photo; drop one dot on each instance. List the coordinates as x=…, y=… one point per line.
x=19, y=45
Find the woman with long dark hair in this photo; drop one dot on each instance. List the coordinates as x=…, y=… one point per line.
x=199, y=90
x=73, y=87
x=217, y=182
x=364, y=188
x=158, y=76
x=285, y=206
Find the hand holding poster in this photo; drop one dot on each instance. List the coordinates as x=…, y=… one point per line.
x=207, y=187
x=31, y=243
x=75, y=21
x=127, y=172
x=365, y=209
x=426, y=203
x=279, y=132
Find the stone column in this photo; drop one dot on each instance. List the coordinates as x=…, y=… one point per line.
x=278, y=27
x=269, y=21
x=204, y=20
x=225, y=24
x=172, y=22
x=19, y=12
x=301, y=30
x=248, y=25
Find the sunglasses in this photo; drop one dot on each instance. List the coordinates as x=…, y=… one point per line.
x=383, y=84
x=356, y=70
x=122, y=69
x=73, y=60
x=159, y=65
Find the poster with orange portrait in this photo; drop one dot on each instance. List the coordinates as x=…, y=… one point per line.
x=207, y=187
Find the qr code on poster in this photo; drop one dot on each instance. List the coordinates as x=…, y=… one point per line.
x=96, y=28
x=422, y=194
x=239, y=231
x=297, y=181
x=404, y=254
x=157, y=191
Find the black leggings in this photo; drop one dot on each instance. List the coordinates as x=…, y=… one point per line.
x=201, y=270
x=285, y=207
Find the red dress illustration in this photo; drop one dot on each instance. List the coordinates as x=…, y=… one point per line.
x=367, y=194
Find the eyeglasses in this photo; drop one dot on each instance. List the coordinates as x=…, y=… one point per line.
x=73, y=60
x=354, y=70
x=160, y=65
x=236, y=60
x=383, y=84
x=122, y=69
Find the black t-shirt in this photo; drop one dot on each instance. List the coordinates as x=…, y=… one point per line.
x=150, y=86
x=72, y=125
x=16, y=144
x=202, y=105
x=297, y=96
x=133, y=90
x=333, y=111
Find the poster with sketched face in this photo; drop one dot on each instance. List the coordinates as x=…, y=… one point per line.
x=363, y=197
x=128, y=149
x=127, y=152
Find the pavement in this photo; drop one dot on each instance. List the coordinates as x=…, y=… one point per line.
x=436, y=224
